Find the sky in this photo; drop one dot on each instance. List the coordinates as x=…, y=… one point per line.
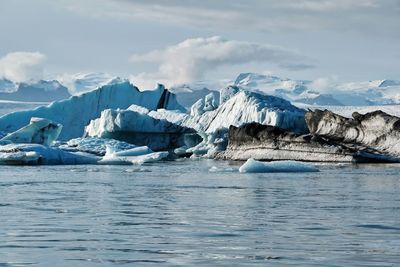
x=180, y=41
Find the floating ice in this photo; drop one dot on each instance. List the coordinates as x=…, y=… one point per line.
x=35, y=154
x=76, y=112
x=96, y=146
x=252, y=165
x=38, y=131
x=136, y=126
x=138, y=155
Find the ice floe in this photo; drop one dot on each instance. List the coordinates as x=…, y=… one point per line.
x=255, y=166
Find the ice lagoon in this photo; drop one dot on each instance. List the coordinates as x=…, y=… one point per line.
x=199, y=213
x=191, y=212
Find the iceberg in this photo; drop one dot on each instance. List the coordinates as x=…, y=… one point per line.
x=254, y=166
x=209, y=120
x=77, y=111
x=138, y=155
x=242, y=107
x=263, y=142
x=245, y=107
x=135, y=126
x=39, y=131
x=375, y=130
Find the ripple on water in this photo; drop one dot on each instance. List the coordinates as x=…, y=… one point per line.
x=198, y=213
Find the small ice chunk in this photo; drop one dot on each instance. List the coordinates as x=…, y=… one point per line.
x=217, y=169
x=252, y=165
x=133, y=152
x=152, y=157
x=38, y=131
x=137, y=155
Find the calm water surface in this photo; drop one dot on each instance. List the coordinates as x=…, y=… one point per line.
x=199, y=213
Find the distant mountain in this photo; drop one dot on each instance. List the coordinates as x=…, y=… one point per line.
x=42, y=91
x=379, y=92
x=7, y=86
x=188, y=94
x=84, y=82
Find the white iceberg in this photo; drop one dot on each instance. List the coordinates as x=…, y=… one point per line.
x=245, y=107
x=210, y=121
x=254, y=166
x=38, y=131
x=138, y=155
x=136, y=126
x=76, y=112
x=242, y=107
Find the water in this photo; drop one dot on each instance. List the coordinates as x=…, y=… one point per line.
x=199, y=213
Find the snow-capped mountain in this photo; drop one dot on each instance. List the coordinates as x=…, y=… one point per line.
x=84, y=82
x=41, y=91
x=7, y=86
x=379, y=92
x=188, y=94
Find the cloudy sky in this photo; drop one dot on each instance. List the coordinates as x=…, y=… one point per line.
x=178, y=41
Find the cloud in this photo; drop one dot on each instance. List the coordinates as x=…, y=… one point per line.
x=252, y=15
x=22, y=66
x=192, y=59
x=324, y=84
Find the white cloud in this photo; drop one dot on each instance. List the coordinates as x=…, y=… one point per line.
x=324, y=84
x=252, y=15
x=192, y=59
x=22, y=66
